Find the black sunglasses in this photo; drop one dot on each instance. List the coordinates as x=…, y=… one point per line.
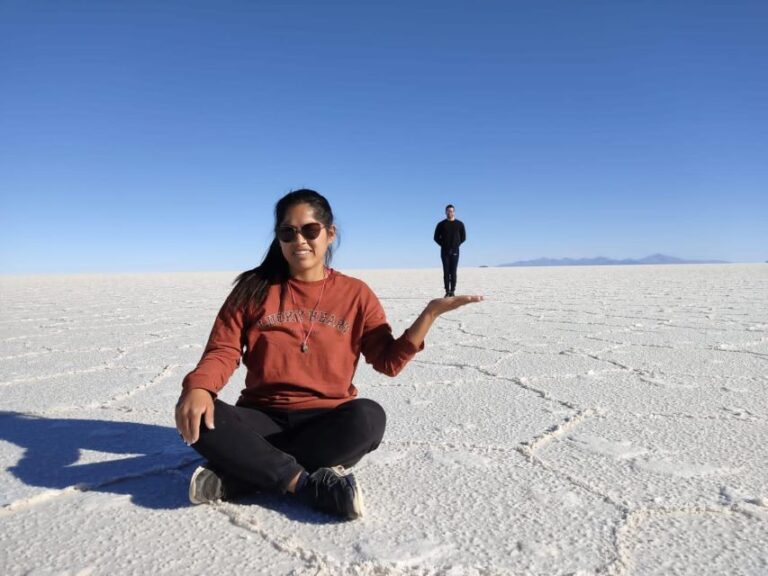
x=309, y=231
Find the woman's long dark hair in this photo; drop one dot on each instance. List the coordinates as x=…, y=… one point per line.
x=250, y=287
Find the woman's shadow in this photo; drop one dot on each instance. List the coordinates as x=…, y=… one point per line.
x=149, y=463
x=144, y=461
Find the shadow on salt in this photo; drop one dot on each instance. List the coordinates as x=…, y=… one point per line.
x=99, y=455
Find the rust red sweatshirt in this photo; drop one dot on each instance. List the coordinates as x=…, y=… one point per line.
x=348, y=320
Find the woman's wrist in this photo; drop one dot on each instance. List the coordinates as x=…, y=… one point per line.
x=431, y=310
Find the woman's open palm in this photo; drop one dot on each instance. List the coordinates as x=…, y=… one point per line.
x=440, y=306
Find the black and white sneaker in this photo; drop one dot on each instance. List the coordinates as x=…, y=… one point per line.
x=332, y=491
x=205, y=486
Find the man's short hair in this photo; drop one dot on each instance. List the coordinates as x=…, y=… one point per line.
x=450, y=206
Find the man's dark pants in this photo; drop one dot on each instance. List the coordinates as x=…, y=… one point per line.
x=450, y=258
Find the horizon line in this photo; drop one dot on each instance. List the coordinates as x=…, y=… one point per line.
x=393, y=268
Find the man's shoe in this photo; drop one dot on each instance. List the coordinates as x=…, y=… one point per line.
x=205, y=486
x=447, y=294
x=329, y=490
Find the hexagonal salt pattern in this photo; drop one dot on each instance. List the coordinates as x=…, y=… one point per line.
x=578, y=421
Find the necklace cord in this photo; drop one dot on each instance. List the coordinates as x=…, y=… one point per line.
x=304, y=346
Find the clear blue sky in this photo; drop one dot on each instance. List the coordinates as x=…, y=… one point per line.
x=157, y=136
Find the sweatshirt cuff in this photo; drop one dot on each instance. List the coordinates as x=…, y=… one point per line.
x=192, y=383
x=409, y=347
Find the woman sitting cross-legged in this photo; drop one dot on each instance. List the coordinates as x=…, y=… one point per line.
x=300, y=328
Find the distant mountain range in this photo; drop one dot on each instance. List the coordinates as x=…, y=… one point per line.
x=601, y=261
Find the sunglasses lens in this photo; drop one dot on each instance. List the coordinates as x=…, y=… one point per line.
x=309, y=231
x=286, y=233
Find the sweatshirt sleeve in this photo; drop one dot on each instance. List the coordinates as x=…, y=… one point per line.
x=438, y=235
x=463, y=234
x=380, y=349
x=222, y=354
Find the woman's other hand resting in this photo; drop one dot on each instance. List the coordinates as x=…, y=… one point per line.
x=192, y=405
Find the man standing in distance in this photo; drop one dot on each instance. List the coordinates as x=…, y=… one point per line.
x=450, y=234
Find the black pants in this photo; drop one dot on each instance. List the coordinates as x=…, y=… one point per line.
x=450, y=258
x=264, y=450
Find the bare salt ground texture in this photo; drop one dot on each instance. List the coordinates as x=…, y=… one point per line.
x=581, y=421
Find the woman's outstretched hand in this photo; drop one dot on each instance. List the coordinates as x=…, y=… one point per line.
x=418, y=330
x=440, y=306
x=193, y=405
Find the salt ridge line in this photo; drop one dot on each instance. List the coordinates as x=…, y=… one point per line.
x=166, y=372
x=68, y=373
x=555, y=432
x=71, y=326
x=618, y=345
x=634, y=519
x=452, y=445
x=715, y=347
x=110, y=364
x=312, y=559
x=644, y=374
x=485, y=349
x=704, y=418
x=518, y=381
x=68, y=331
x=325, y=564
x=45, y=350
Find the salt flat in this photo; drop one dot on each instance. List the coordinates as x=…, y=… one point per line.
x=606, y=420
